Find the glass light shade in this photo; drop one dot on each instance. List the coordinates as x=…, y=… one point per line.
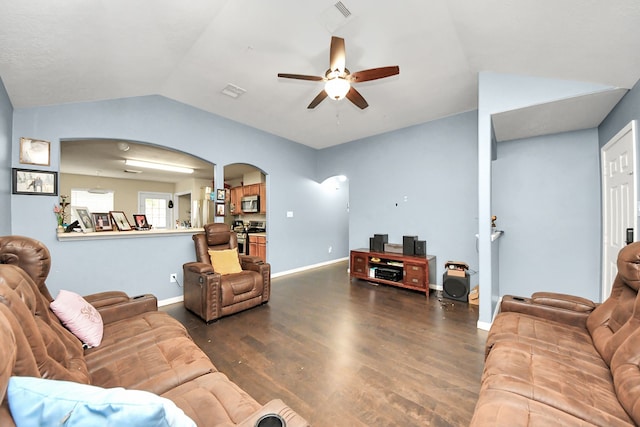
x=337, y=88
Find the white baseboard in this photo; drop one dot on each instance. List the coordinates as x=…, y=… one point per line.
x=308, y=267
x=485, y=326
x=169, y=301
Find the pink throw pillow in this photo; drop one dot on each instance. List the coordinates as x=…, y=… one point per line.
x=80, y=317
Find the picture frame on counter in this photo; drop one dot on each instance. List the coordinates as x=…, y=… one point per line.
x=120, y=220
x=140, y=221
x=220, y=209
x=83, y=216
x=102, y=222
x=34, y=182
x=35, y=152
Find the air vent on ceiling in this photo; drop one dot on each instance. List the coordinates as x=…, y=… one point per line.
x=233, y=91
x=335, y=17
x=343, y=9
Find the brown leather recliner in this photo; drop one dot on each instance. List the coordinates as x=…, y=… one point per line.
x=211, y=295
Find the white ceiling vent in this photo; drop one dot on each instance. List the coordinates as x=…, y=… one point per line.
x=335, y=17
x=233, y=91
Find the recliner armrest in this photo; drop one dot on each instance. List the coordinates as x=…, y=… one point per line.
x=198, y=267
x=132, y=307
x=561, y=308
x=567, y=302
x=103, y=299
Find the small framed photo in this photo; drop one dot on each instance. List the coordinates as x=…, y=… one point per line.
x=220, y=194
x=140, y=220
x=84, y=218
x=219, y=209
x=120, y=220
x=42, y=183
x=102, y=222
x=35, y=152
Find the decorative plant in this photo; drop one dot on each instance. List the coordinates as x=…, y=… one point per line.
x=59, y=210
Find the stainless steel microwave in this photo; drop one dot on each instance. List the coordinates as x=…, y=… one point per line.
x=250, y=204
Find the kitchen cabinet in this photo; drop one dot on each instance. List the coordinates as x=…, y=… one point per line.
x=263, y=198
x=258, y=246
x=237, y=193
x=235, y=207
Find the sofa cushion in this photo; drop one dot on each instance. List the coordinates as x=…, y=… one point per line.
x=570, y=385
x=225, y=261
x=80, y=317
x=37, y=401
x=213, y=400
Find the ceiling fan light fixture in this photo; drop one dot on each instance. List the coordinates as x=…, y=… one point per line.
x=159, y=166
x=337, y=88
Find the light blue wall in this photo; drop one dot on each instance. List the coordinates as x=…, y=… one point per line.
x=628, y=109
x=434, y=165
x=143, y=265
x=504, y=92
x=6, y=117
x=546, y=192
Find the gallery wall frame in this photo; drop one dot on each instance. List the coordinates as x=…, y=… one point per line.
x=34, y=182
x=35, y=152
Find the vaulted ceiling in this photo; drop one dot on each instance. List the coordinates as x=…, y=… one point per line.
x=64, y=51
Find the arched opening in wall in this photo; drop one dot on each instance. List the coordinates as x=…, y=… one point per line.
x=170, y=187
x=246, y=207
x=336, y=206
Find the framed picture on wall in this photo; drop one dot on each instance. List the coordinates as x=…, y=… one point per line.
x=120, y=220
x=219, y=209
x=102, y=222
x=42, y=183
x=35, y=152
x=220, y=194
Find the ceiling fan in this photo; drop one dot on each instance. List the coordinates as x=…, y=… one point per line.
x=339, y=79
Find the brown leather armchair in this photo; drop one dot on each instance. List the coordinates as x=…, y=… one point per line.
x=211, y=295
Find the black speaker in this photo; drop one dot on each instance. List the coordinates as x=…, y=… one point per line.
x=456, y=287
x=408, y=245
x=377, y=244
x=421, y=247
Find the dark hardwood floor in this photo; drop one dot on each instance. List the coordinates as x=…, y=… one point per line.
x=350, y=353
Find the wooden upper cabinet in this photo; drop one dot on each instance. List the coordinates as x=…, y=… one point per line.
x=263, y=198
x=237, y=193
x=236, y=196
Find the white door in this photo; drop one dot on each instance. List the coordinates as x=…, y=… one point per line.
x=156, y=207
x=619, y=200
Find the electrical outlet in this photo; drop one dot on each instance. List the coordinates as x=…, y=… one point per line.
x=330, y=249
x=173, y=278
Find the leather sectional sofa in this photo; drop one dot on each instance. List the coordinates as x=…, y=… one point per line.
x=141, y=349
x=556, y=359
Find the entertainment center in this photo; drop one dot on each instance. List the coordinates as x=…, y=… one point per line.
x=406, y=271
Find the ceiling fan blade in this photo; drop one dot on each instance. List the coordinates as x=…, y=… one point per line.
x=300, y=77
x=355, y=97
x=337, y=55
x=318, y=99
x=374, y=73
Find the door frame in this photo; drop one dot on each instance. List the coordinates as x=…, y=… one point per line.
x=631, y=127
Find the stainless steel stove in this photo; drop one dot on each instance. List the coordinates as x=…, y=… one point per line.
x=243, y=232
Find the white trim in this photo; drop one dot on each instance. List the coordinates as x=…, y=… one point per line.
x=308, y=267
x=483, y=325
x=170, y=301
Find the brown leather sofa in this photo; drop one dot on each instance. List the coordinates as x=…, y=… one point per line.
x=141, y=348
x=211, y=295
x=556, y=359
